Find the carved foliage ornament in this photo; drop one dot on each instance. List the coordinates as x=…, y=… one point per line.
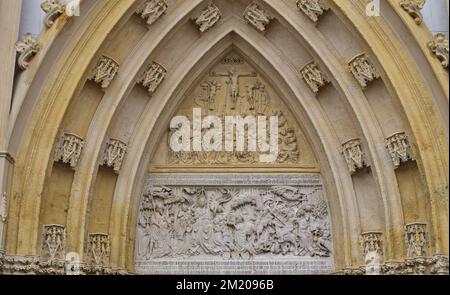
x=312, y=8
x=27, y=48
x=416, y=240
x=208, y=18
x=153, y=77
x=399, y=148
x=413, y=7
x=257, y=17
x=68, y=149
x=53, y=9
x=152, y=10
x=439, y=46
x=53, y=242
x=98, y=249
x=114, y=154
x=363, y=70
x=314, y=77
x=354, y=155
x=105, y=71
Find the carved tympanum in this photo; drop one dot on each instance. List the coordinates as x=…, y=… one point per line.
x=354, y=156
x=153, y=77
x=439, y=46
x=208, y=18
x=399, y=148
x=53, y=242
x=152, y=10
x=314, y=77
x=114, y=154
x=68, y=149
x=27, y=49
x=105, y=71
x=98, y=251
x=363, y=70
x=53, y=9
x=257, y=17
x=413, y=7
x=416, y=240
x=312, y=8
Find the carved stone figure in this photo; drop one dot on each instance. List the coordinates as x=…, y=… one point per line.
x=312, y=8
x=233, y=83
x=372, y=261
x=257, y=17
x=153, y=77
x=399, y=148
x=53, y=242
x=53, y=9
x=416, y=240
x=114, y=154
x=105, y=71
x=68, y=149
x=371, y=242
x=208, y=100
x=354, y=155
x=208, y=18
x=314, y=77
x=236, y=223
x=152, y=10
x=27, y=49
x=363, y=71
x=413, y=7
x=257, y=97
x=439, y=46
x=98, y=249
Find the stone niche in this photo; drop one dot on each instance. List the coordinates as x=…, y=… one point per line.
x=233, y=224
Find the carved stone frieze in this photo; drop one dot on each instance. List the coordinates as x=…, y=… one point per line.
x=53, y=242
x=68, y=149
x=399, y=148
x=314, y=77
x=354, y=156
x=152, y=10
x=98, y=251
x=153, y=77
x=208, y=18
x=257, y=17
x=414, y=7
x=114, y=154
x=193, y=223
x=312, y=8
x=439, y=46
x=27, y=48
x=53, y=9
x=416, y=240
x=105, y=71
x=363, y=70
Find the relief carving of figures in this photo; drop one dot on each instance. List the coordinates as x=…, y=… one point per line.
x=413, y=7
x=399, y=148
x=152, y=10
x=98, y=249
x=232, y=223
x=153, y=77
x=312, y=8
x=233, y=83
x=208, y=18
x=314, y=77
x=363, y=70
x=53, y=242
x=53, y=9
x=105, y=71
x=257, y=17
x=416, y=240
x=372, y=250
x=257, y=97
x=68, y=149
x=27, y=49
x=439, y=46
x=288, y=148
x=354, y=155
x=114, y=154
x=208, y=100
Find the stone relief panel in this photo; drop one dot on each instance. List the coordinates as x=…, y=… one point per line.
x=399, y=148
x=232, y=223
x=208, y=18
x=105, y=71
x=233, y=88
x=354, y=155
x=98, y=249
x=314, y=77
x=152, y=10
x=257, y=17
x=114, y=154
x=312, y=8
x=363, y=70
x=68, y=149
x=416, y=240
x=153, y=77
x=53, y=242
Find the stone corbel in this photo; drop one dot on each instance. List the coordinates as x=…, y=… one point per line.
x=27, y=49
x=53, y=10
x=414, y=7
